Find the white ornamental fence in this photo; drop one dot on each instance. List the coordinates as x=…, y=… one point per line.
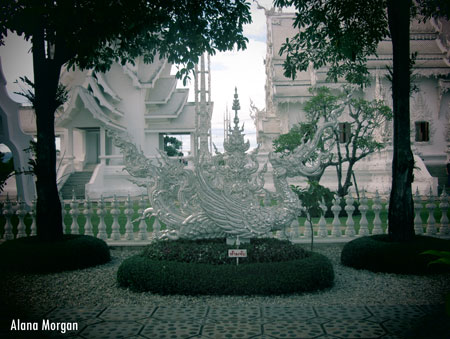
x=118, y=222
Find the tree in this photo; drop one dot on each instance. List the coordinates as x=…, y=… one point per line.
x=364, y=119
x=95, y=34
x=342, y=34
x=172, y=146
x=6, y=169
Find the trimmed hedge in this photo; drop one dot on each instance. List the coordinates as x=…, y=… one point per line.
x=378, y=253
x=311, y=272
x=30, y=254
x=215, y=251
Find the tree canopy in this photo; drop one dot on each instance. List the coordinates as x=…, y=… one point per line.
x=363, y=119
x=341, y=34
x=97, y=33
x=94, y=34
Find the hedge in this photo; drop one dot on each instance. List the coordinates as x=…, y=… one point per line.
x=30, y=254
x=142, y=274
x=378, y=253
x=215, y=251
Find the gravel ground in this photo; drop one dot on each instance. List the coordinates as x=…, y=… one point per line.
x=97, y=286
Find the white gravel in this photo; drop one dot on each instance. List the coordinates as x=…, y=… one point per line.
x=97, y=286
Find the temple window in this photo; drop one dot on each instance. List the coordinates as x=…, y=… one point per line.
x=422, y=131
x=344, y=132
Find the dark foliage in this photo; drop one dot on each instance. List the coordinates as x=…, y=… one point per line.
x=6, y=169
x=314, y=193
x=70, y=253
x=141, y=274
x=312, y=196
x=378, y=253
x=215, y=251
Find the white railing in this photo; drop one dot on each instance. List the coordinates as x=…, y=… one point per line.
x=119, y=222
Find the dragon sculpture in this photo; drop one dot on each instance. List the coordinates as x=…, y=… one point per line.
x=224, y=195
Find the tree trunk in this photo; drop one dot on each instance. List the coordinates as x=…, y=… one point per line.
x=46, y=79
x=401, y=207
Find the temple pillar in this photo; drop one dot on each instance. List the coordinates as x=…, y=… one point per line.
x=102, y=146
x=69, y=145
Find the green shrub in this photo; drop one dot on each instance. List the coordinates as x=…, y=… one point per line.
x=215, y=251
x=30, y=254
x=378, y=253
x=311, y=273
x=312, y=195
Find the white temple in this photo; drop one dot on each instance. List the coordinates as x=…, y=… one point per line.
x=141, y=101
x=429, y=105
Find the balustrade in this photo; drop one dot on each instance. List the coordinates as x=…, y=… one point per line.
x=113, y=220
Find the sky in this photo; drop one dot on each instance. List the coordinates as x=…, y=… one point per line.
x=241, y=69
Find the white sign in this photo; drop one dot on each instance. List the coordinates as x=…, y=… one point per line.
x=237, y=253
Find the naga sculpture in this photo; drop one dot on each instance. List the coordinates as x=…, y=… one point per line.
x=224, y=196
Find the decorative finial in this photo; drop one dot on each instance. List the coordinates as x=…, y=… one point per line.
x=236, y=106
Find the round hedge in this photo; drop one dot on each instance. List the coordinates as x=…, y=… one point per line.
x=215, y=251
x=378, y=253
x=30, y=254
x=310, y=272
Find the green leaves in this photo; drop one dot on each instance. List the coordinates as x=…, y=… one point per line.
x=94, y=34
x=27, y=92
x=338, y=33
x=312, y=196
x=444, y=257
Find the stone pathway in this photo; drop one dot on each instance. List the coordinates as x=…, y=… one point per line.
x=265, y=321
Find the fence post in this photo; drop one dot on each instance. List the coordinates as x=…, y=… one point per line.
x=418, y=229
x=33, y=217
x=142, y=223
x=349, y=208
x=363, y=223
x=431, y=222
x=74, y=212
x=307, y=231
x=443, y=205
x=101, y=224
x=129, y=234
x=336, y=208
x=322, y=231
x=156, y=227
x=376, y=207
x=8, y=213
x=21, y=213
x=115, y=227
x=295, y=229
x=63, y=212
x=88, y=214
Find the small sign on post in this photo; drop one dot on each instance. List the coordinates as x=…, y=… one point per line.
x=237, y=253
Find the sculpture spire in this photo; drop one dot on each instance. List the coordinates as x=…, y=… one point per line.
x=235, y=140
x=236, y=107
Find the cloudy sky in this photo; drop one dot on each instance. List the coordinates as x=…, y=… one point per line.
x=243, y=69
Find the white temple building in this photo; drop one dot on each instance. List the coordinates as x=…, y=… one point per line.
x=430, y=105
x=142, y=102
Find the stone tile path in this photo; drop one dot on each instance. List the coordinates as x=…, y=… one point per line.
x=265, y=321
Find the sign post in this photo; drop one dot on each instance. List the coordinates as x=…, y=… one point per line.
x=237, y=253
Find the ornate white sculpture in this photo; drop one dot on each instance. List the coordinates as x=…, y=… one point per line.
x=224, y=196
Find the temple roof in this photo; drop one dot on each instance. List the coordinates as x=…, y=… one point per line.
x=84, y=111
x=171, y=109
x=430, y=39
